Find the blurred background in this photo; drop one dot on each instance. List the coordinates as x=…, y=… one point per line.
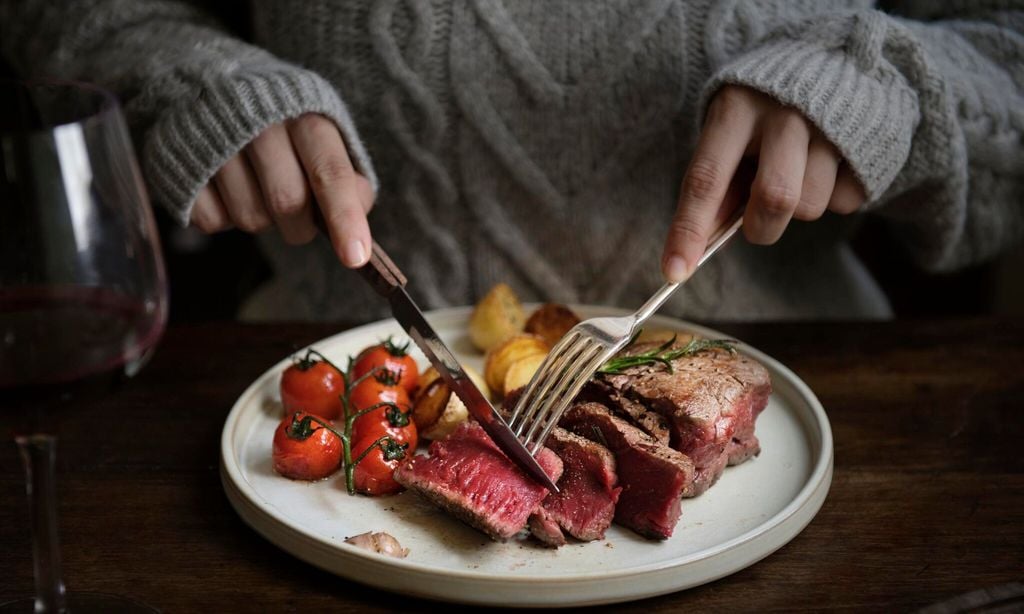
x=211, y=275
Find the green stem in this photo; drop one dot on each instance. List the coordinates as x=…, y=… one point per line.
x=345, y=435
x=373, y=445
x=350, y=472
x=350, y=466
x=324, y=424
x=363, y=412
x=359, y=380
x=313, y=352
x=346, y=444
x=350, y=420
x=394, y=349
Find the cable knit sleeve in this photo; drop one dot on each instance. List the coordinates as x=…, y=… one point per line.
x=925, y=104
x=193, y=94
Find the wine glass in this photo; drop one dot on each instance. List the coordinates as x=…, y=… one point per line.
x=83, y=294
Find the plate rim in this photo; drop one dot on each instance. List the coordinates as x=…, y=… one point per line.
x=819, y=478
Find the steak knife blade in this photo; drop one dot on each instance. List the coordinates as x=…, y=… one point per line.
x=388, y=281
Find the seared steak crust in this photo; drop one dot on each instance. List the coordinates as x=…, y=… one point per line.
x=710, y=399
x=652, y=423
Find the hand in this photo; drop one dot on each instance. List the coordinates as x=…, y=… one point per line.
x=275, y=179
x=799, y=174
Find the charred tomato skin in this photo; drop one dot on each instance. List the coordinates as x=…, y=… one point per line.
x=315, y=456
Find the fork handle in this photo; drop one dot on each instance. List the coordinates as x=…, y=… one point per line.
x=720, y=237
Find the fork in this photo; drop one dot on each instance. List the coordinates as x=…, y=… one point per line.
x=582, y=351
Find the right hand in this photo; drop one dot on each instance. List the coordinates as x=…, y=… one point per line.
x=799, y=175
x=280, y=176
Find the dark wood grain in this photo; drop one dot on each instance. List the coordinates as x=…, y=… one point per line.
x=927, y=501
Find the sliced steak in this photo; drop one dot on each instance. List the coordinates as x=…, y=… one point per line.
x=597, y=391
x=545, y=528
x=742, y=448
x=652, y=423
x=653, y=476
x=744, y=444
x=584, y=505
x=709, y=399
x=468, y=475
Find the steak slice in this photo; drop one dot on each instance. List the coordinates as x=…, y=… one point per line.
x=597, y=391
x=652, y=423
x=744, y=444
x=653, y=476
x=584, y=505
x=742, y=448
x=469, y=476
x=545, y=528
x=709, y=399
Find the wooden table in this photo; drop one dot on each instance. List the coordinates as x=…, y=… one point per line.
x=927, y=502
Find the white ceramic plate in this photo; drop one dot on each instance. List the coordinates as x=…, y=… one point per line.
x=753, y=510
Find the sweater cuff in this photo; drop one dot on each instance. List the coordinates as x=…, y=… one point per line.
x=869, y=114
x=192, y=141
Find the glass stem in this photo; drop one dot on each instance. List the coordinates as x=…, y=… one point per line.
x=39, y=453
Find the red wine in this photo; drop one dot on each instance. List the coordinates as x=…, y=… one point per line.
x=54, y=336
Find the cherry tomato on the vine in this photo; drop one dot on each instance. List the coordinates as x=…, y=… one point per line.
x=312, y=385
x=304, y=449
x=390, y=356
x=378, y=388
x=393, y=421
x=374, y=474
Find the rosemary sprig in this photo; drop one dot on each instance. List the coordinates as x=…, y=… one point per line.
x=664, y=354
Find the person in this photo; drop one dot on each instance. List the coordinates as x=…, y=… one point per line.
x=579, y=151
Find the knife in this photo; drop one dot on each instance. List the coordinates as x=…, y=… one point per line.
x=389, y=282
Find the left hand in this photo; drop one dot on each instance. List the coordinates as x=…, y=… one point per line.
x=799, y=175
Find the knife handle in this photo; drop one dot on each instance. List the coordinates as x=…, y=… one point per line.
x=381, y=272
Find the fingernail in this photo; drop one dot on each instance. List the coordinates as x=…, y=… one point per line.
x=355, y=254
x=675, y=269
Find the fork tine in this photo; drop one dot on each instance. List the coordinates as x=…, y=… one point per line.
x=545, y=378
x=566, y=378
x=556, y=359
x=543, y=371
x=581, y=352
x=555, y=407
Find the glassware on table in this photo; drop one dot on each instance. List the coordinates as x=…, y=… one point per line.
x=83, y=294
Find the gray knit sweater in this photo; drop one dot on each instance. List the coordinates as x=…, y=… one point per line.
x=542, y=142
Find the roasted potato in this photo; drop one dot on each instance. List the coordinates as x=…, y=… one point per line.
x=520, y=372
x=430, y=401
x=497, y=316
x=500, y=358
x=478, y=379
x=427, y=376
x=454, y=413
x=551, y=321
x=436, y=411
